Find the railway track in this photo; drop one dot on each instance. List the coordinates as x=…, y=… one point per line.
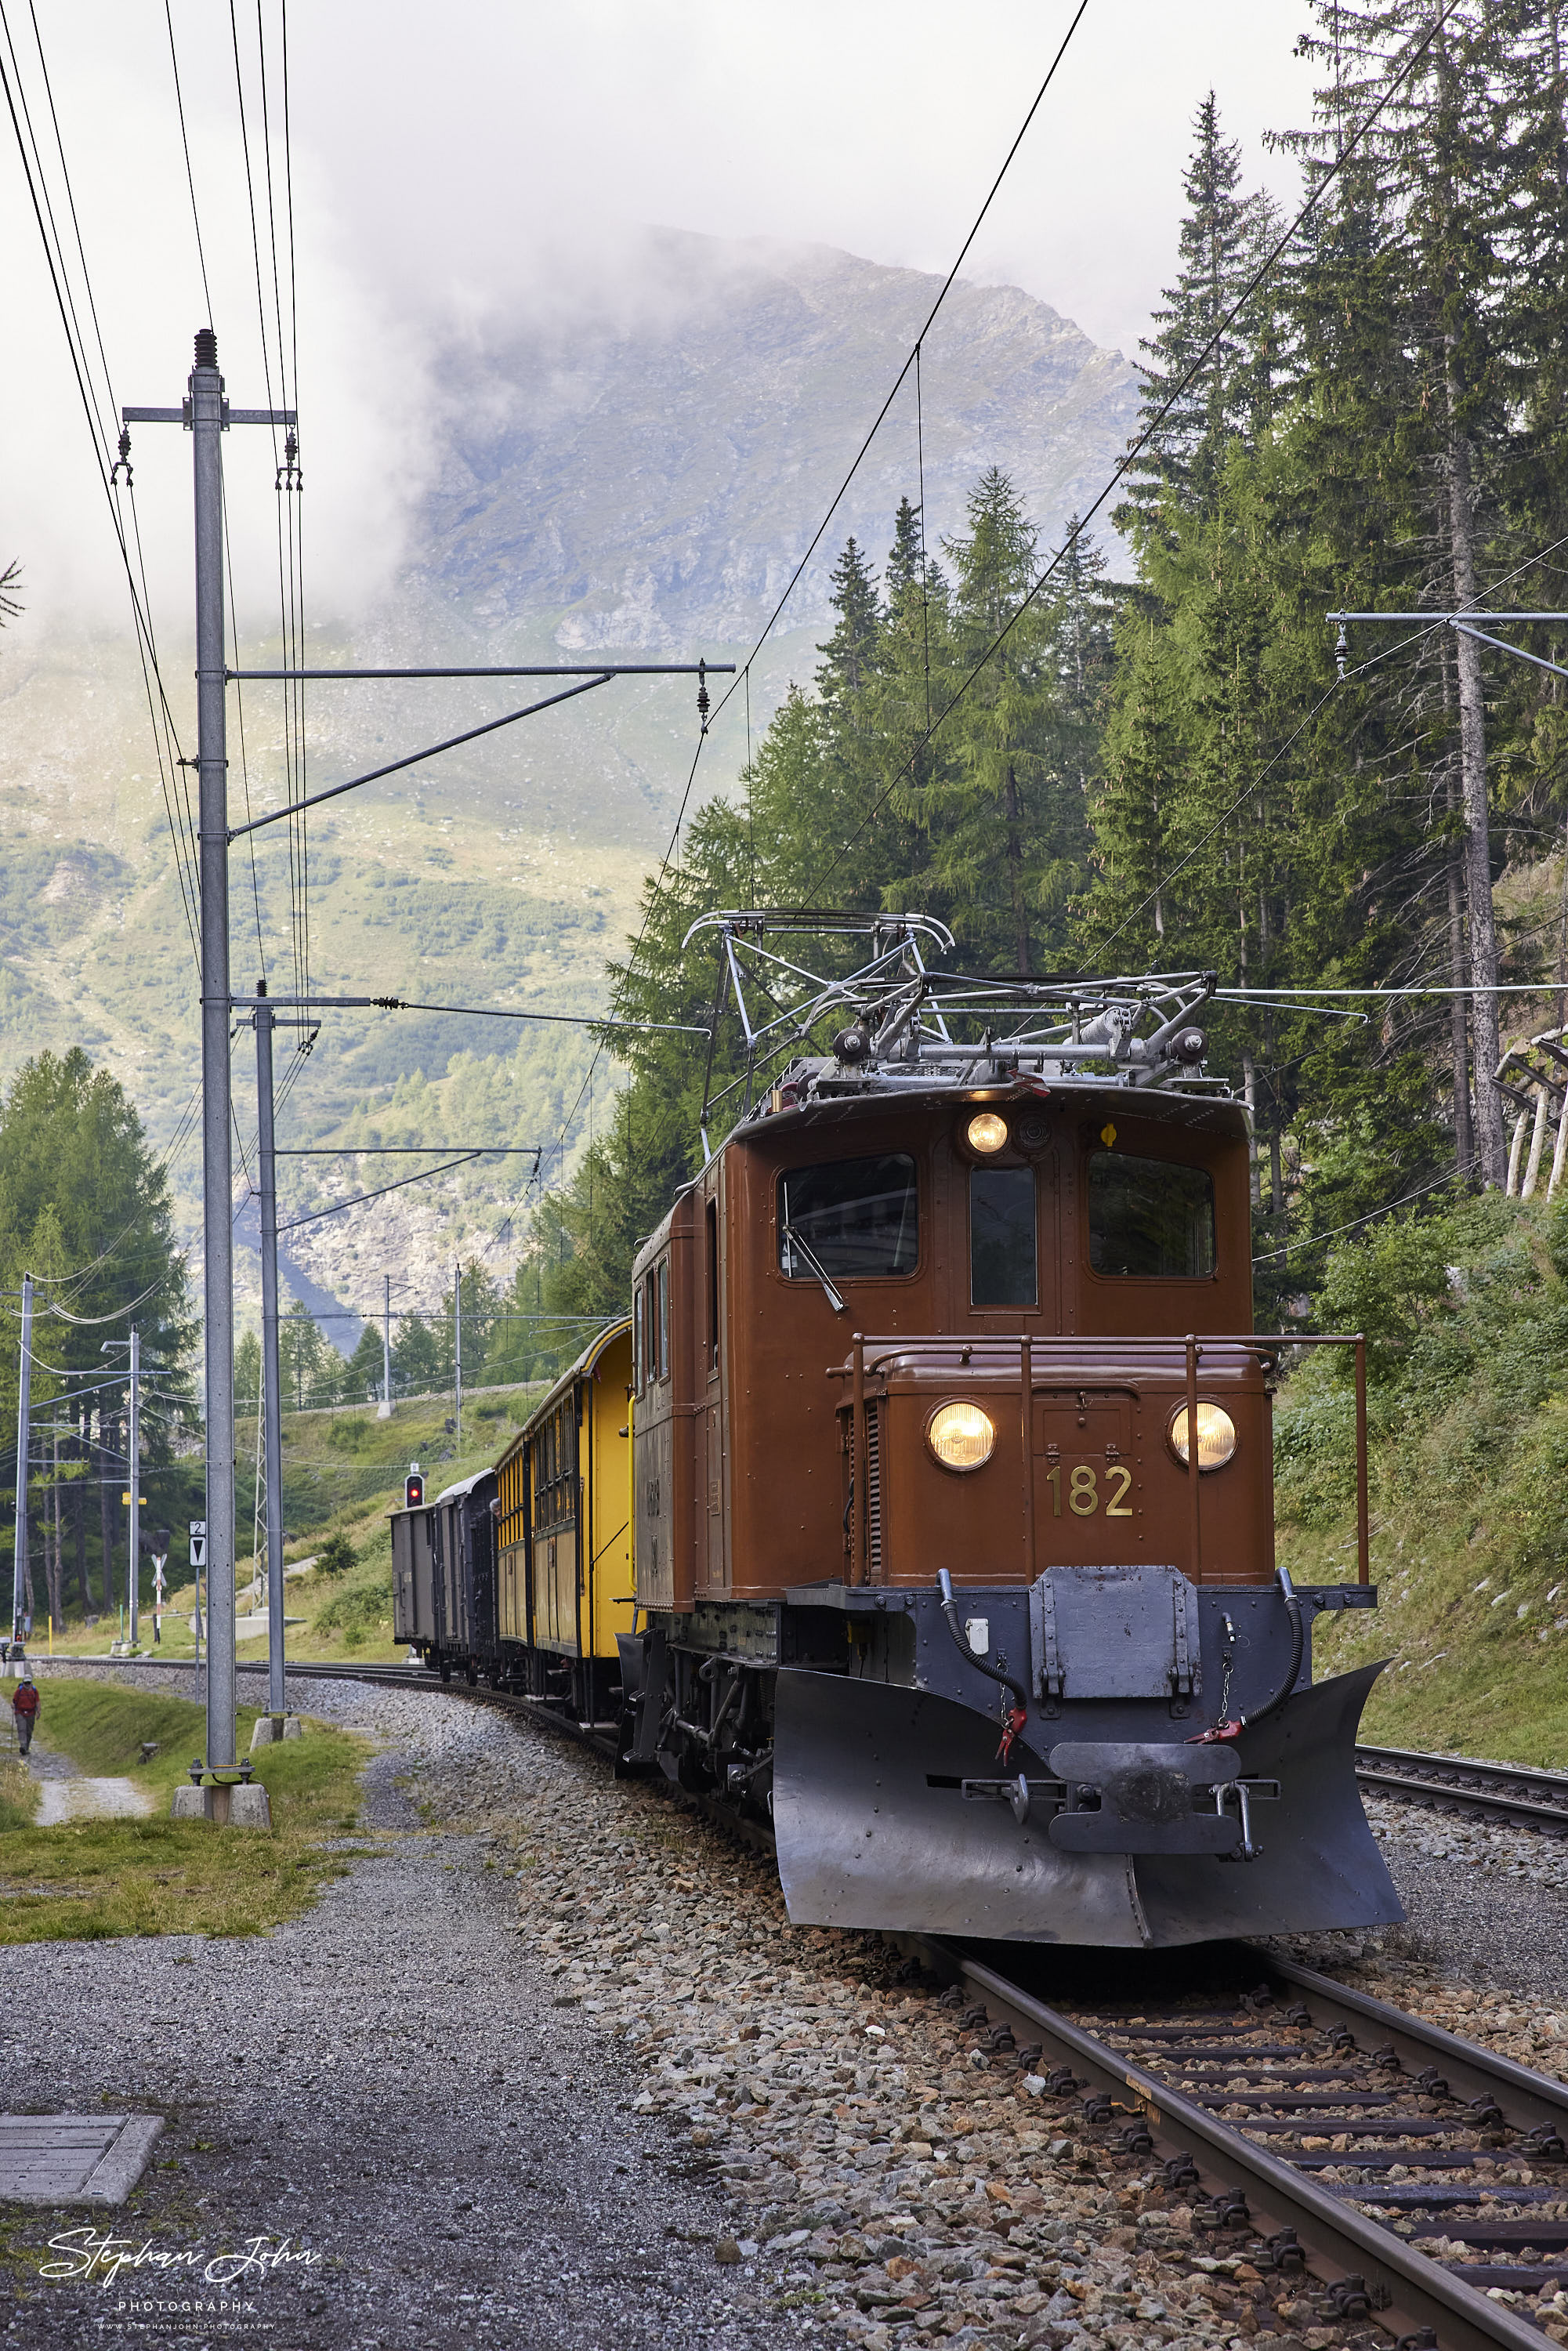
x=1316, y=2132
x=1510, y=1791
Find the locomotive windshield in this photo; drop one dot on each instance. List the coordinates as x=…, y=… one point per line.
x=1150, y=1217
x=1002, y=1247
x=853, y=1217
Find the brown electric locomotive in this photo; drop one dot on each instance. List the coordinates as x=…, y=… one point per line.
x=952, y=1491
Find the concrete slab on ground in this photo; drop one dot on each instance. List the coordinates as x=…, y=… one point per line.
x=74, y=2158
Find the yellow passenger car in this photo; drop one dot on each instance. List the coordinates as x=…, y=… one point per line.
x=564, y=1576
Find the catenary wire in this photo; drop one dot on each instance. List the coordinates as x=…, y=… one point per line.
x=1299, y=1249
x=913, y=359
x=185, y=146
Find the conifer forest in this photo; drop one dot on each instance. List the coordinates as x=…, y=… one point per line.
x=1185, y=767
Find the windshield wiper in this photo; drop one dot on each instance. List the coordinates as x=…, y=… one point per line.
x=795, y=1242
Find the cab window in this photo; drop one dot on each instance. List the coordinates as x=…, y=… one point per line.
x=856, y=1218
x=1003, y=1250
x=1151, y=1218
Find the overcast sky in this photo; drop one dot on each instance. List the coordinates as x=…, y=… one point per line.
x=440, y=154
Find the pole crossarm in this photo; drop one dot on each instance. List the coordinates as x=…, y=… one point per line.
x=1404, y=619
x=1463, y=625
x=556, y=669
x=431, y=751
x=182, y=415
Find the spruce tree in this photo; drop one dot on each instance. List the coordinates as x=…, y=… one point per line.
x=1443, y=177
x=1223, y=236
x=849, y=657
x=1005, y=821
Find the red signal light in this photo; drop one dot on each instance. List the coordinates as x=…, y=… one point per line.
x=414, y=1492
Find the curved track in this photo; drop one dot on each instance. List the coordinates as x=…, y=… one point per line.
x=1510, y=1791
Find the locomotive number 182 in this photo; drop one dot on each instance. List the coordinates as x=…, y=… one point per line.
x=1082, y=1496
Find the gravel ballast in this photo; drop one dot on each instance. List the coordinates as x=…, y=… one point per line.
x=550, y=2068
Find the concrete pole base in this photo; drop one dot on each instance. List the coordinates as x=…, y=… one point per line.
x=384, y=1411
x=244, y=1807
x=270, y=1727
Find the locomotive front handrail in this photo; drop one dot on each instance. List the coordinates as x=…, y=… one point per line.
x=1034, y=1351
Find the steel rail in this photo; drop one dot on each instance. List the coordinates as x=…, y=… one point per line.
x=1514, y=1791
x=1414, y=2292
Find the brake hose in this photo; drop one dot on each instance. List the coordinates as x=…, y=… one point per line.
x=1019, y=1712
x=1225, y=1731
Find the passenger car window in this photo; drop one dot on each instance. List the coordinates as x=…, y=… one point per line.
x=1003, y=1251
x=1151, y=1218
x=856, y=1217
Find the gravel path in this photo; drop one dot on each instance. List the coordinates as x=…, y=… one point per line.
x=386, y=2087
x=77, y=1798
x=66, y=1794
x=551, y=2068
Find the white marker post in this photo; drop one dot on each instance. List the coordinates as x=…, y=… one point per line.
x=197, y=1541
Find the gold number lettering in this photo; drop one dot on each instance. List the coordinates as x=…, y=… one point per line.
x=1055, y=1476
x=1084, y=1491
x=1118, y=1492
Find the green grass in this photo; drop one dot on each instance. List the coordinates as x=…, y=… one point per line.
x=89, y=1879
x=18, y=1792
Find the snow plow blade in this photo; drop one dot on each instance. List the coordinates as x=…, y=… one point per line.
x=875, y=1830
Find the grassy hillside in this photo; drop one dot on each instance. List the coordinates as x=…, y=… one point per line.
x=1466, y=1317
x=343, y=1472
x=633, y=493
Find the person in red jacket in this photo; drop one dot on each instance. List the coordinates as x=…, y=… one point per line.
x=24, y=1707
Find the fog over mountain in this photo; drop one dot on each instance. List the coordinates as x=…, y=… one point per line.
x=648, y=475
x=630, y=474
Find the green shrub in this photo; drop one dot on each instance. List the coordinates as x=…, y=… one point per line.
x=1557, y=1235
x=1387, y=1283
x=359, y=1609
x=336, y=1556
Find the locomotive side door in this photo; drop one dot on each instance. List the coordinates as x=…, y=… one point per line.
x=714, y=1562
x=653, y=1462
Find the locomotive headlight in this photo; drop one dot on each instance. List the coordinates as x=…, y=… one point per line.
x=987, y=1132
x=961, y=1435
x=1215, y=1436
